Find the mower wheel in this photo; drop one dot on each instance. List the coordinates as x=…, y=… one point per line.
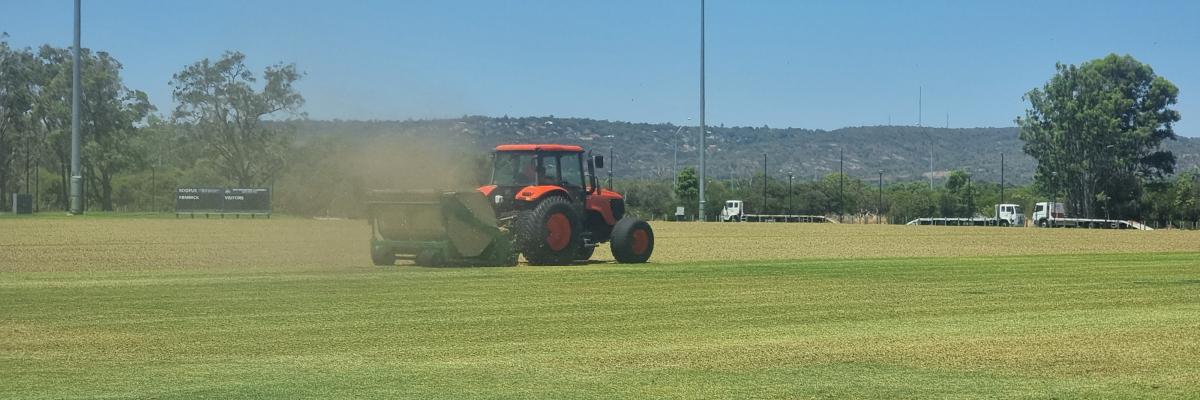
x=431, y=258
x=632, y=241
x=549, y=234
x=382, y=256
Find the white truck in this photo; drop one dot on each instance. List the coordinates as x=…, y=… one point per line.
x=1053, y=215
x=1004, y=215
x=735, y=211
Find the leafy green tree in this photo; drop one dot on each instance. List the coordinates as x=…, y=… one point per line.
x=909, y=200
x=113, y=140
x=1096, y=128
x=687, y=187
x=220, y=106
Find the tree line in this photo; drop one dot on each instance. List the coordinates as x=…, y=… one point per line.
x=218, y=133
x=1174, y=200
x=1096, y=131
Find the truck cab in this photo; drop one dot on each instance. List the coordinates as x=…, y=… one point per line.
x=1010, y=215
x=732, y=212
x=1041, y=217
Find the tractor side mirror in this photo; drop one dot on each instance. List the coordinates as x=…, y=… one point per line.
x=599, y=161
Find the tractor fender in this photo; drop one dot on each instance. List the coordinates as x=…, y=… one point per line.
x=601, y=202
x=536, y=193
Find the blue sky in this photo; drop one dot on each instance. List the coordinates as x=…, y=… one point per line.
x=809, y=64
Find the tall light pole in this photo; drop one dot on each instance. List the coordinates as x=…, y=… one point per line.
x=703, y=128
x=76, y=202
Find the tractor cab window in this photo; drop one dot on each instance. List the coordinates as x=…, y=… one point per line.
x=515, y=169
x=572, y=169
x=1039, y=208
x=550, y=166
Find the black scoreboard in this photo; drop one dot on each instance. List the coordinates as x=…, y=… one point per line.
x=223, y=200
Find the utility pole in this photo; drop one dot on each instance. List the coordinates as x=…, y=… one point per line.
x=879, y=205
x=76, y=201
x=703, y=128
x=920, y=104
x=791, y=204
x=970, y=197
x=611, y=165
x=841, y=184
x=1001, y=178
x=763, y=209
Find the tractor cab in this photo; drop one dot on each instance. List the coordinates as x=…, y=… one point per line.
x=527, y=172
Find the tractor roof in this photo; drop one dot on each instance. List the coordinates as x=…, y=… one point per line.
x=539, y=147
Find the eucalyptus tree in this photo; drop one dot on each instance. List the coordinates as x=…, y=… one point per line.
x=1096, y=129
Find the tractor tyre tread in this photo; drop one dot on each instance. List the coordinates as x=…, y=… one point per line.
x=531, y=233
x=623, y=241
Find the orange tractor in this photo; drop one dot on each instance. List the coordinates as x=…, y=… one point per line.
x=544, y=201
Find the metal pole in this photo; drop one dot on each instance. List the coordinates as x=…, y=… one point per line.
x=879, y=207
x=611, y=165
x=76, y=171
x=675, y=159
x=703, y=128
x=841, y=185
x=1001, y=178
x=764, y=203
x=970, y=197
x=791, y=203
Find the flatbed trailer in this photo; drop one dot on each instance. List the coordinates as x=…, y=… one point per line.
x=1091, y=223
x=785, y=218
x=1048, y=214
x=977, y=221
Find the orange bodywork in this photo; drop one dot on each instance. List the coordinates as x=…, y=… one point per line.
x=601, y=202
x=533, y=193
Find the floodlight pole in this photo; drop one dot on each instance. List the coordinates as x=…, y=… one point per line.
x=76, y=201
x=703, y=128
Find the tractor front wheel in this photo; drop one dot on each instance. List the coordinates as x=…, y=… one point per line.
x=632, y=241
x=549, y=234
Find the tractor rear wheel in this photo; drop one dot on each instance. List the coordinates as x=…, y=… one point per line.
x=549, y=233
x=632, y=241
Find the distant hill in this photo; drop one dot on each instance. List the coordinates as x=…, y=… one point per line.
x=645, y=150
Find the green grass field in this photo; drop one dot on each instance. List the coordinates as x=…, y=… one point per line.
x=291, y=308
